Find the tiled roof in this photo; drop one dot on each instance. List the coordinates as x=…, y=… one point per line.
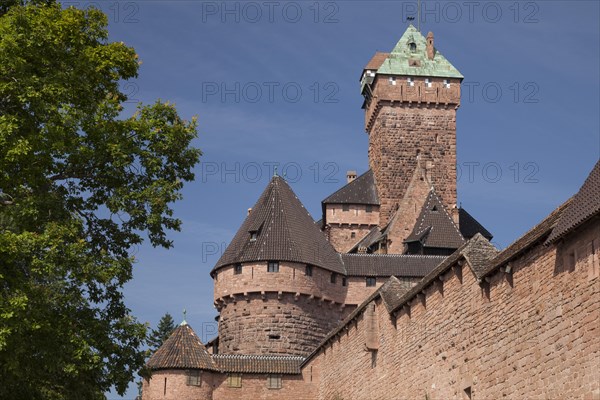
x=469, y=226
x=534, y=235
x=478, y=251
x=392, y=291
x=435, y=227
x=377, y=60
x=585, y=204
x=285, y=231
x=390, y=264
x=397, y=63
x=372, y=237
x=362, y=190
x=183, y=349
x=258, y=364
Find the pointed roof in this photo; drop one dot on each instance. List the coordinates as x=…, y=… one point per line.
x=279, y=228
x=435, y=227
x=469, y=226
x=362, y=190
x=585, y=204
x=183, y=349
x=397, y=63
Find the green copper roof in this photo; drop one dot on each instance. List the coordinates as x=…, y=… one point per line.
x=400, y=59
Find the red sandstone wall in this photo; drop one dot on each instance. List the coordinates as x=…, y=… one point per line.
x=535, y=336
x=402, y=120
x=340, y=236
x=254, y=387
x=249, y=326
x=172, y=385
x=290, y=278
x=358, y=291
x=356, y=214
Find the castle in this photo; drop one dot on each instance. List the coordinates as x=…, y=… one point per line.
x=397, y=293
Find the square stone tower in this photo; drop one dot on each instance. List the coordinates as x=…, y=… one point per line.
x=411, y=97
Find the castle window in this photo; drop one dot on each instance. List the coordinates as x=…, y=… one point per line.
x=371, y=281
x=410, y=81
x=274, y=382
x=352, y=235
x=333, y=277
x=369, y=208
x=428, y=82
x=273, y=266
x=234, y=380
x=392, y=80
x=237, y=269
x=446, y=83
x=413, y=47
x=344, y=281
x=345, y=207
x=308, y=271
x=194, y=378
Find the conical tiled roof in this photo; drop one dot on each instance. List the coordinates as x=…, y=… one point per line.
x=183, y=349
x=435, y=227
x=279, y=228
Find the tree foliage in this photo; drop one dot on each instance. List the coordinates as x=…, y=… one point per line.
x=79, y=185
x=165, y=327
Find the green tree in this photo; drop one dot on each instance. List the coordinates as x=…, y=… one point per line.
x=80, y=185
x=165, y=327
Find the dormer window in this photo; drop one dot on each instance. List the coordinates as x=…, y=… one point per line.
x=253, y=236
x=413, y=47
x=410, y=81
x=427, y=82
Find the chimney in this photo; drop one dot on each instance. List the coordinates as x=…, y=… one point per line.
x=350, y=176
x=430, y=48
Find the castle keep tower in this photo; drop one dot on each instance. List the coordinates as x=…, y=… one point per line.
x=411, y=97
x=279, y=286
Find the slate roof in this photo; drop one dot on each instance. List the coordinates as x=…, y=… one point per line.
x=585, y=204
x=435, y=227
x=390, y=264
x=258, y=364
x=469, y=226
x=183, y=349
x=285, y=232
x=362, y=190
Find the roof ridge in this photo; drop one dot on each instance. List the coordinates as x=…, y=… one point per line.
x=393, y=255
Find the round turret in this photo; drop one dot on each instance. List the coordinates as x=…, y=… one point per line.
x=279, y=286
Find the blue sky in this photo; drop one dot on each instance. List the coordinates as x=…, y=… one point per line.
x=277, y=82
